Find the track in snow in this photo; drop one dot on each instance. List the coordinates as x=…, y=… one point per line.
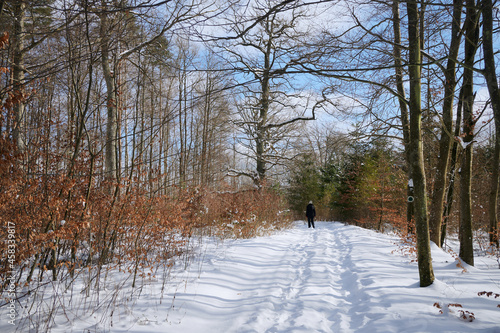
x=301, y=280
x=335, y=278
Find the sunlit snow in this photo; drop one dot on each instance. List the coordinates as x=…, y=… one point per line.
x=334, y=278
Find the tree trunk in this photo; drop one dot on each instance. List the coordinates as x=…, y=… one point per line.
x=111, y=125
x=452, y=173
x=466, y=240
x=182, y=129
x=425, y=269
x=491, y=81
x=402, y=104
x=261, y=128
x=471, y=43
x=440, y=178
x=204, y=163
x=19, y=132
x=493, y=200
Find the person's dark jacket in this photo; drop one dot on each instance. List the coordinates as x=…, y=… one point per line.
x=310, y=211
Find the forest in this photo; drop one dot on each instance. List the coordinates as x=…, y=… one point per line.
x=131, y=127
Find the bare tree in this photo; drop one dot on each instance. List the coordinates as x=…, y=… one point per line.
x=403, y=103
x=440, y=177
x=416, y=148
x=30, y=25
x=267, y=54
x=468, y=96
x=213, y=123
x=18, y=73
x=111, y=99
x=491, y=81
x=111, y=14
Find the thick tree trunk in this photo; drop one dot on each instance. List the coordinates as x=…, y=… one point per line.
x=440, y=177
x=466, y=240
x=262, y=139
x=471, y=44
x=491, y=81
x=425, y=269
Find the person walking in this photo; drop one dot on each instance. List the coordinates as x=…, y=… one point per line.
x=311, y=214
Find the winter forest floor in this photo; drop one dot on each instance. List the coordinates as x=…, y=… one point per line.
x=334, y=278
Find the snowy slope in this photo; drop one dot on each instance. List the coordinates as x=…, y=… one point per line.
x=334, y=278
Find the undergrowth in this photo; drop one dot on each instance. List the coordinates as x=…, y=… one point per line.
x=70, y=233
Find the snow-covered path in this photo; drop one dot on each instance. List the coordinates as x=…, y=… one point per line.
x=279, y=286
x=335, y=278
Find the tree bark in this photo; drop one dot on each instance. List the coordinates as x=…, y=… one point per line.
x=425, y=269
x=403, y=106
x=182, y=128
x=111, y=105
x=491, y=81
x=471, y=43
x=440, y=177
x=18, y=71
x=261, y=137
x=452, y=173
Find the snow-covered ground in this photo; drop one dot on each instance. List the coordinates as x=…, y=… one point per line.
x=334, y=278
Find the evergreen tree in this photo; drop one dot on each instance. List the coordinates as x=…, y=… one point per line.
x=305, y=185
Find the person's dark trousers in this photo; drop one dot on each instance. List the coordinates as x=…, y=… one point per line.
x=310, y=222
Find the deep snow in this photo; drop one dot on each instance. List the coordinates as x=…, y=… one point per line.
x=334, y=278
